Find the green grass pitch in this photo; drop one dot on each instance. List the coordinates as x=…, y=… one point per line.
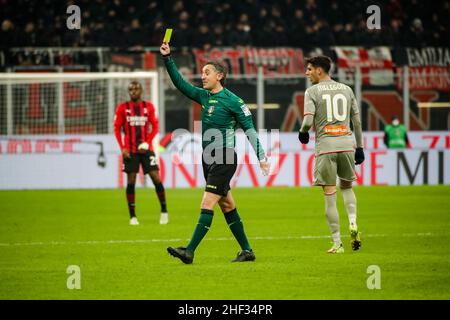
x=405, y=232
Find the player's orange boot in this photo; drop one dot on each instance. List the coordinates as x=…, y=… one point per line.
x=336, y=248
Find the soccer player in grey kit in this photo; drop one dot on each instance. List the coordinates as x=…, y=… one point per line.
x=330, y=106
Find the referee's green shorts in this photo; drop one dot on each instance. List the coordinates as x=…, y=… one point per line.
x=327, y=167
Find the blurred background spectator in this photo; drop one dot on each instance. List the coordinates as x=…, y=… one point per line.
x=209, y=23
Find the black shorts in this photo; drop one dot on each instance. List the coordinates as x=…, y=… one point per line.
x=218, y=174
x=147, y=160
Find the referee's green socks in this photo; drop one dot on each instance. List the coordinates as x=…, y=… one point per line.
x=235, y=223
x=203, y=225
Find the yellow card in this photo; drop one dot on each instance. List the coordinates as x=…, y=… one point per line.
x=168, y=35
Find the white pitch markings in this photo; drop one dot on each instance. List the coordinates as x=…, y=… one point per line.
x=94, y=242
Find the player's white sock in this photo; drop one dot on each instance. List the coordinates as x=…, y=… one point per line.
x=333, y=217
x=350, y=204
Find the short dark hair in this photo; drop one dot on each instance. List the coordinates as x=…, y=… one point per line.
x=220, y=68
x=136, y=83
x=323, y=62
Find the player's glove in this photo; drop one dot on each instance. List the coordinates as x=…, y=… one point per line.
x=359, y=156
x=303, y=137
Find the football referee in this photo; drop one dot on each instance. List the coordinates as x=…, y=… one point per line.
x=221, y=111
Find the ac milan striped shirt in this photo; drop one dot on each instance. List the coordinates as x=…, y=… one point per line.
x=135, y=119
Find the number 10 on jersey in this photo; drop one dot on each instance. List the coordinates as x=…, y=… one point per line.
x=333, y=107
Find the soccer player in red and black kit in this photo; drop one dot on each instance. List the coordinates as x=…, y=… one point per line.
x=135, y=116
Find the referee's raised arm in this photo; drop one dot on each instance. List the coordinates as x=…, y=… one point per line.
x=185, y=87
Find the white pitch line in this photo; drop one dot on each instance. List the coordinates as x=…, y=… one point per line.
x=90, y=242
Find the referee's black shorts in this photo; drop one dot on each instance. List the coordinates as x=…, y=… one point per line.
x=147, y=160
x=218, y=170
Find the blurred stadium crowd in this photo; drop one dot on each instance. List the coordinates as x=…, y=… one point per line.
x=209, y=23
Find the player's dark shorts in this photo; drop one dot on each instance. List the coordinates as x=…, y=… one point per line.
x=218, y=173
x=147, y=160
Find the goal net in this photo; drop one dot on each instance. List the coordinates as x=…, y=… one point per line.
x=67, y=103
x=60, y=125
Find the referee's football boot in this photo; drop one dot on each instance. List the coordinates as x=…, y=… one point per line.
x=355, y=237
x=181, y=253
x=244, y=255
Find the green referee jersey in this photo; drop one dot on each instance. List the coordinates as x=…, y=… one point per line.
x=221, y=113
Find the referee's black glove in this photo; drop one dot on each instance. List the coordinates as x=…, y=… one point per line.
x=359, y=156
x=303, y=137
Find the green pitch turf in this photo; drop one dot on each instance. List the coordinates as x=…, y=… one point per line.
x=405, y=232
